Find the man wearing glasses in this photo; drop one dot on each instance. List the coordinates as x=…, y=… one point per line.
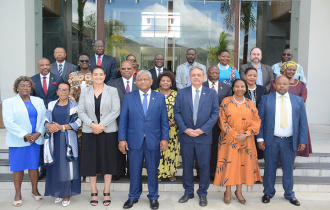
x=61, y=67
x=108, y=63
x=287, y=56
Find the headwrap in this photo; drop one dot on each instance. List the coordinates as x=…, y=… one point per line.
x=285, y=65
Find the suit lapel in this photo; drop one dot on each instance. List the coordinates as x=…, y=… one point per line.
x=202, y=97
x=137, y=99
x=121, y=86
x=104, y=61
x=151, y=102
x=39, y=85
x=189, y=98
x=51, y=87
x=293, y=104
x=91, y=96
x=104, y=96
x=134, y=87
x=273, y=109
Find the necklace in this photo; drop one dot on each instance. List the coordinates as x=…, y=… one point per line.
x=237, y=101
x=27, y=104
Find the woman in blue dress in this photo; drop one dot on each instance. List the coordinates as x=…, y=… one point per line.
x=22, y=116
x=227, y=73
x=61, y=147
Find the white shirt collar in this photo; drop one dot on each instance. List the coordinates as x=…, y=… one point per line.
x=194, y=89
x=63, y=63
x=130, y=80
x=41, y=76
x=286, y=95
x=141, y=93
x=161, y=69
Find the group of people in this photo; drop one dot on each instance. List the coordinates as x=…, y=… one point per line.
x=90, y=120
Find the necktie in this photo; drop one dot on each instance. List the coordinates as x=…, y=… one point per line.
x=196, y=103
x=145, y=103
x=60, y=71
x=213, y=85
x=284, y=120
x=44, y=84
x=127, y=87
x=159, y=71
x=98, y=61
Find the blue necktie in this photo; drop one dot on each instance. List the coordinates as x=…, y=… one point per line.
x=145, y=103
x=196, y=104
x=60, y=70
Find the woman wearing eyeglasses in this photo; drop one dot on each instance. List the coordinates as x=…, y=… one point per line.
x=22, y=116
x=61, y=147
x=81, y=79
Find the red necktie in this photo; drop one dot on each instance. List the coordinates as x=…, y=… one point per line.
x=44, y=85
x=98, y=61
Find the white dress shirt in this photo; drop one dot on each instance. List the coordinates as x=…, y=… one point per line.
x=161, y=70
x=194, y=93
x=42, y=79
x=278, y=131
x=216, y=85
x=142, y=97
x=58, y=65
x=97, y=57
x=130, y=80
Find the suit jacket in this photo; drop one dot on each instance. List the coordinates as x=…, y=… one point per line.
x=260, y=91
x=119, y=84
x=68, y=68
x=109, y=65
x=267, y=74
x=155, y=85
x=224, y=90
x=38, y=91
x=17, y=121
x=208, y=114
x=266, y=110
x=109, y=109
x=181, y=77
x=134, y=126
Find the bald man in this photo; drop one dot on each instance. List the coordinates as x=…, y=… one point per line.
x=283, y=132
x=61, y=67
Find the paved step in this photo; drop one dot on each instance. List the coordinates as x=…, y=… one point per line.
x=4, y=154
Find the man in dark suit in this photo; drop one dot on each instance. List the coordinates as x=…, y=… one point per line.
x=45, y=88
x=61, y=67
x=265, y=72
x=283, y=132
x=223, y=90
x=159, y=69
x=124, y=84
x=108, y=63
x=196, y=110
x=144, y=132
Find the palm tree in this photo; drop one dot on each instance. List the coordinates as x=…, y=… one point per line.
x=224, y=42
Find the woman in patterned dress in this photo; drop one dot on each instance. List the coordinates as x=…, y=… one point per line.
x=169, y=159
x=237, y=154
x=227, y=73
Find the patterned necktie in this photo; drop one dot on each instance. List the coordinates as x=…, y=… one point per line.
x=213, y=85
x=98, y=61
x=284, y=119
x=159, y=71
x=145, y=103
x=60, y=71
x=44, y=84
x=127, y=87
x=196, y=103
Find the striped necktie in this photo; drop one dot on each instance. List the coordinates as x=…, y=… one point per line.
x=60, y=70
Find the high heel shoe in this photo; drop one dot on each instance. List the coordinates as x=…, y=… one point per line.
x=240, y=201
x=106, y=202
x=37, y=197
x=94, y=202
x=225, y=200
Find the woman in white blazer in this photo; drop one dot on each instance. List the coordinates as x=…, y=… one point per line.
x=23, y=115
x=99, y=107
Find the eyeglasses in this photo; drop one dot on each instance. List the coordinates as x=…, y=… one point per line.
x=143, y=80
x=99, y=46
x=132, y=61
x=63, y=90
x=286, y=54
x=84, y=61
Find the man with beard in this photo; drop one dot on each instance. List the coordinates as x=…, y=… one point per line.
x=159, y=69
x=182, y=72
x=108, y=63
x=265, y=72
x=287, y=56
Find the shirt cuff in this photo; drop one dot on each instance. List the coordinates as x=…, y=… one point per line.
x=260, y=140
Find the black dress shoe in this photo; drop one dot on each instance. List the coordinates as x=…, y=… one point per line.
x=185, y=198
x=116, y=177
x=202, y=201
x=294, y=201
x=154, y=204
x=265, y=198
x=129, y=203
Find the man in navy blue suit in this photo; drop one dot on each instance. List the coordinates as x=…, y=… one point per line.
x=143, y=132
x=196, y=110
x=108, y=63
x=283, y=132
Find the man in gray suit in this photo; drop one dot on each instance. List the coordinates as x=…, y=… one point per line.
x=265, y=72
x=61, y=67
x=182, y=72
x=124, y=84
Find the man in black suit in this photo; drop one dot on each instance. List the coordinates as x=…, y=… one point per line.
x=108, y=63
x=124, y=84
x=223, y=90
x=61, y=67
x=159, y=69
x=45, y=88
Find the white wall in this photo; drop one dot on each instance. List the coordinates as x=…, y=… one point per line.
x=314, y=56
x=17, y=41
